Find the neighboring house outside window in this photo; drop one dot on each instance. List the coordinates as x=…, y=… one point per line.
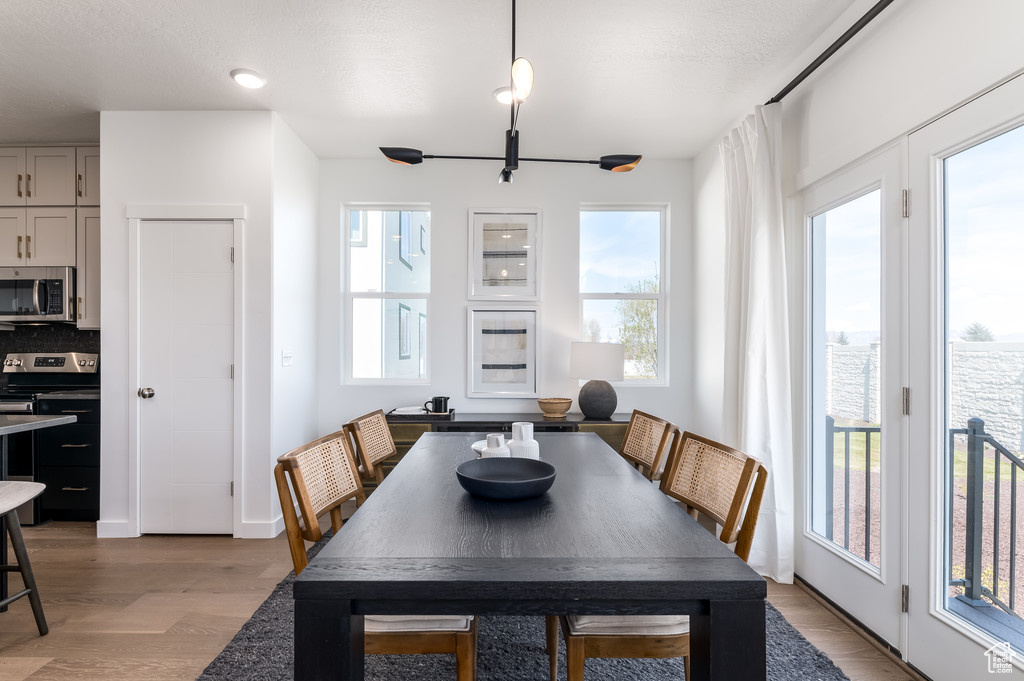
x=623, y=288
x=387, y=291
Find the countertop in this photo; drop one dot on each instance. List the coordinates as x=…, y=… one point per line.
x=17, y=423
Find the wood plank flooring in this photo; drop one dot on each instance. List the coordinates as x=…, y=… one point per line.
x=162, y=607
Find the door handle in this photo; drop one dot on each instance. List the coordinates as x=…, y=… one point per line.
x=19, y=185
x=146, y=393
x=74, y=489
x=73, y=446
x=19, y=248
x=79, y=184
x=28, y=246
x=28, y=183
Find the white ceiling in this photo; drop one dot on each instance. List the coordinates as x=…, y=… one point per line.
x=661, y=77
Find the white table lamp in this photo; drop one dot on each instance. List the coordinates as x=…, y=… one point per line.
x=599, y=363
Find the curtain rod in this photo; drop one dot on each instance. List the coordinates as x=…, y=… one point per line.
x=832, y=49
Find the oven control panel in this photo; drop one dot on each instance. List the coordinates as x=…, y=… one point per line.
x=51, y=362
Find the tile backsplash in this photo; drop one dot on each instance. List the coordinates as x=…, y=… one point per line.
x=48, y=338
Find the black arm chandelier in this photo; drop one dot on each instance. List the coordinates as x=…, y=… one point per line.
x=519, y=88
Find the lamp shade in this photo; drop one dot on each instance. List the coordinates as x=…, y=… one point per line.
x=402, y=155
x=602, y=361
x=619, y=163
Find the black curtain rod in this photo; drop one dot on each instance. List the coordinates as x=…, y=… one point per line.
x=832, y=49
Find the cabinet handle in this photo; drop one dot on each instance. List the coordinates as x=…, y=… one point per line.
x=19, y=185
x=81, y=307
x=28, y=183
x=76, y=411
x=79, y=184
x=74, y=446
x=74, y=489
x=28, y=245
x=19, y=248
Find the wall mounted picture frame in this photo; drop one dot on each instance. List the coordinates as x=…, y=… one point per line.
x=503, y=352
x=404, y=332
x=504, y=252
x=405, y=238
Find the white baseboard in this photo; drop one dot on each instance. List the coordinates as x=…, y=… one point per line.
x=260, y=530
x=110, y=529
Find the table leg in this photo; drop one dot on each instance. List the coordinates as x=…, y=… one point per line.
x=328, y=641
x=729, y=642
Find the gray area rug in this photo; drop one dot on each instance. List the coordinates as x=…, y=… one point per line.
x=507, y=648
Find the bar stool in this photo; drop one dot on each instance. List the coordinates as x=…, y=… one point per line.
x=13, y=495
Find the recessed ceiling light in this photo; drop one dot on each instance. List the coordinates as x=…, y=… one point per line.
x=248, y=78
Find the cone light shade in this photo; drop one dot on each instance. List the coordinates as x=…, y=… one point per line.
x=402, y=155
x=619, y=163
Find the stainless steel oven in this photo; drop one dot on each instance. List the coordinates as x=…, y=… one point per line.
x=37, y=294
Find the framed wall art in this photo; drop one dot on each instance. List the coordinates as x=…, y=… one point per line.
x=503, y=352
x=504, y=253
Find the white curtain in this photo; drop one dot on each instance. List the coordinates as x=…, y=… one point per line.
x=757, y=390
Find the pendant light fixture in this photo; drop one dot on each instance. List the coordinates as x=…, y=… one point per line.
x=519, y=88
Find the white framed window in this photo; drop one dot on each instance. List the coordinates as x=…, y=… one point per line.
x=387, y=293
x=624, y=285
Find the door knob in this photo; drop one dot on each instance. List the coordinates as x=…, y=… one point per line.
x=146, y=393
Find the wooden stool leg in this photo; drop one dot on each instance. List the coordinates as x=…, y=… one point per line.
x=551, y=643
x=575, y=657
x=25, y=567
x=465, y=655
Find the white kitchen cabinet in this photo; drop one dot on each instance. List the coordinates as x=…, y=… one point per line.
x=88, y=268
x=87, y=176
x=37, y=176
x=43, y=237
x=12, y=177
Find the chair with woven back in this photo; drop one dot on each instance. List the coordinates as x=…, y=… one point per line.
x=647, y=442
x=710, y=479
x=323, y=477
x=373, y=443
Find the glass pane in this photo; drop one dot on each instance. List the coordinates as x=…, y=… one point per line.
x=634, y=323
x=389, y=251
x=846, y=322
x=984, y=198
x=620, y=251
x=390, y=337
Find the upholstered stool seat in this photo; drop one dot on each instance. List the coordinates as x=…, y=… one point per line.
x=629, y=625
x=12, y=495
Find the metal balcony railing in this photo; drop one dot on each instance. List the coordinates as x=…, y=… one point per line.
x=974, y=590
x=830, y=432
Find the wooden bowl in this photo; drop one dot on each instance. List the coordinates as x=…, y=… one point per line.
x=554, y=407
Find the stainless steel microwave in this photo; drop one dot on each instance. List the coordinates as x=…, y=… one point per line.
x=37, y=294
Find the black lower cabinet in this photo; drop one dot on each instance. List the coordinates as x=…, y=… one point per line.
x=68, y=461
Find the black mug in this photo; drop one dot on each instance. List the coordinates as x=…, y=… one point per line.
x=437, y=405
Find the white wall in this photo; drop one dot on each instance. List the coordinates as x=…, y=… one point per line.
x=452, y=188
x=185, y=158
x=295, y=172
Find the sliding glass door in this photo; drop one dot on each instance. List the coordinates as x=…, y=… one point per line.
x=966, y=312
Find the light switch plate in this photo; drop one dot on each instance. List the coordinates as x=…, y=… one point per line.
x=287, y=358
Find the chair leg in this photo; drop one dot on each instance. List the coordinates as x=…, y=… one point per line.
x=551, y=643
x=686, y=667
x=465, y=655
x=25, y=567
x=575, y=657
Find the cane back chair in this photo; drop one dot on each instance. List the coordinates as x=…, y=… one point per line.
x=647, y=442
x=323, y=476
x=709, y=478
x=373, y=443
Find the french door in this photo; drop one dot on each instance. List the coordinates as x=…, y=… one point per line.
x=966, y=312
x=850, y=547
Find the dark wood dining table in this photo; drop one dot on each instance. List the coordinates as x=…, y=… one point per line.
x=602, y=540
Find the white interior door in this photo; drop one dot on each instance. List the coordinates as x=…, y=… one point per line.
x=186, y=348
x=850, y=546
x=966, y=361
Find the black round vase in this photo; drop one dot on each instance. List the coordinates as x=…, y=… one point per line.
x=597, y=399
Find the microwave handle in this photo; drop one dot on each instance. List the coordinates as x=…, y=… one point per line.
x=37, y=285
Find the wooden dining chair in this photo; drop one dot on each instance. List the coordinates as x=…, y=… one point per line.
x=709, y=478
x=647, y=442
x=323, y=477
x=372, y=439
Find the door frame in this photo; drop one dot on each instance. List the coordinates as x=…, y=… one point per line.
x=883, y=168
x=137, y=214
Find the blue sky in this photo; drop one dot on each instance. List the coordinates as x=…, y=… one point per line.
x=985, y=230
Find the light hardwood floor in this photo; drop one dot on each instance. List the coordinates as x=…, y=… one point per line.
x=162, y=607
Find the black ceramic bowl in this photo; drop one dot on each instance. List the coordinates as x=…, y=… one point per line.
x=506, y=478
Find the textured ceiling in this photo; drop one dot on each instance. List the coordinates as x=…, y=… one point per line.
x=659, y=77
